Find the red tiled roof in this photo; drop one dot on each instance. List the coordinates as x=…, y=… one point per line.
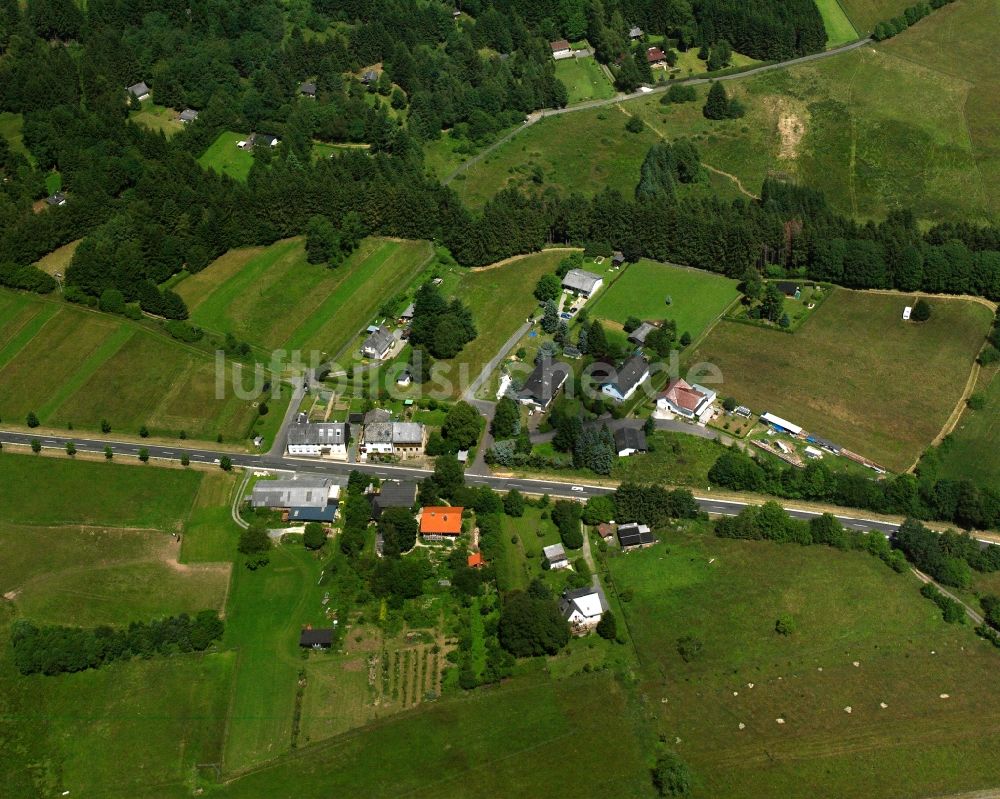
x=441, y=521
x=681, y=394
x=654, y=54
x=475, y=559
x=561, y=44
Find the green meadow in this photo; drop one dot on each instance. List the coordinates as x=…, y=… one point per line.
x=584, y=79
x=224, y=157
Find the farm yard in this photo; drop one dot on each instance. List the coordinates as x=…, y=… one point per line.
x=272, y=298
x=584, y=79
x=697, y=299
x=871, y=684
x=73, y=366
x=854, y=370
x=225, y=158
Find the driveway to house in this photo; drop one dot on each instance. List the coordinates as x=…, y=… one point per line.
x=299, y=385
x=595, y=581
x=470, y=393
x=533, y=117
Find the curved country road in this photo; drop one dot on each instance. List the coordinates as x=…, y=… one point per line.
x=551, y=112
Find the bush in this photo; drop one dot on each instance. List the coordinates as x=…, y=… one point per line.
x=635, y=125
x=921, y=311
x=976, y=402
x=672, y=776
x=314, y=536
x=785, y=625
x=183, y=331
x=689, y=648
x=607, y=627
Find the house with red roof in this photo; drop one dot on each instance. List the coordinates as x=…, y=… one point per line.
x=655, y=56
x=684, y=399
x=476, y=560
x=441, y=522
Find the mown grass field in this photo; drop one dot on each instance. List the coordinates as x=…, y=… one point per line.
x=500, y=299
x=57, y=261
x=863, y=637
x=972, y=451
x=73, y=366
x=697, y=298
x=271, y=297
x=11, y=126
x=529, y=737
x=911, y=122
x=224, y=157
x=157, y=118
x=584, y=79
x=866, y=13
x=855, y=372
x=839, y=29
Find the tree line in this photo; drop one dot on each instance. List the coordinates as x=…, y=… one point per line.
x=55, y=649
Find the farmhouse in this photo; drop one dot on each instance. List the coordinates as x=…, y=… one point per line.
x=635, y=536
x=56, y=199
x=691, y=402
x=311, y=498
x=438, y=523
x=188, y=115
x=581, y=282
x=316, y=639
x=779, y=424
x=378, y=345
x=655, y=57
x=402, y=439
x=140, y=91
x=543, y=384
x=394, y=494
x=623, y=383
x=606, y=531
x=561, y=49
x=318, y=439
x=308, y=90
x=638, y=336
x=555, y=556
x=630, y=440
x=582, y=608
x=258, y=139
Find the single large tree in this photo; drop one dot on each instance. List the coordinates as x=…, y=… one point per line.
x=399, y=531
x=717, y=102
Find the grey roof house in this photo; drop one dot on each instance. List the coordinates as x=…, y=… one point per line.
x=188, y=115
x=544, y=383
x=302, y=491
x=582, y=282
x=394, y=494
x=56, y=199
x=138, y=90
x=629, y=440
x=638, y=336
x=307, y=89
x=378, y=344
x=627, y=378
x=635, y=536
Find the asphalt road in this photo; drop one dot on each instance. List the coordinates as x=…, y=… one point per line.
x=711, y=505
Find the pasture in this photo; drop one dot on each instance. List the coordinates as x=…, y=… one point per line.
x=854, y=372
x=11, y=126
x=73, y=366
x=911, y=122
x=864, y=14
x=500, y=299
x=57, y=261
x=871, y=685
x=839, y=29
x=972, y=451
x=157, y=118
x=584, y=79
x=697, y=299
x=489, y=743
x=225, y=158
x=271, y=297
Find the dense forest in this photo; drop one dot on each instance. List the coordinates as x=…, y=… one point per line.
x=146, y=209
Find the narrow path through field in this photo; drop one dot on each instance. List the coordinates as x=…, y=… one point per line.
x=537, y=115
x=514, y=258
x=976, y=617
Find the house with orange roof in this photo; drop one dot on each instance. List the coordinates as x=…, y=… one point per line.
x=476, y=560
x=441, y=522
x=684, y=399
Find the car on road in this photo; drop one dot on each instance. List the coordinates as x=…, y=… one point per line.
x=566, y=315
x=576, y=488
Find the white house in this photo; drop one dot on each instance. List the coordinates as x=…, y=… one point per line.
x=684, y=399
x=555, y=555
x=582, y=608
x=318, y=439
x=561, y=49
x=627, y=379
x=582, y=282
x=402, y=439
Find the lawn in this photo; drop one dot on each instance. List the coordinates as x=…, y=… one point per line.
x=271, y=297
x=157, y=118
x=698, y=298
x=73, y=366
x=10, y=129
x=864, y=14
x=585, y=151
x=872, y=686
x=972, y=451
x=530, y=737
x=500, y=299
x=584, y=79
x=855, y=372
x=224, y=157
x=839, y=29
